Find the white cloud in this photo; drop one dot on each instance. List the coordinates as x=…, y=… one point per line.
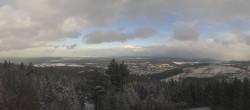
x=72, y=24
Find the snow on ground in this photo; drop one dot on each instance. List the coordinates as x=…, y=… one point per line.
x=179, y=63
x=49, y=64
x=213, y=70
x=203, y=108
x=75, y=65
x=182, y=63
x=89, y=106
x=57, y=64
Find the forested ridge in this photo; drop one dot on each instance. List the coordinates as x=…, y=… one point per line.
x=25, y=87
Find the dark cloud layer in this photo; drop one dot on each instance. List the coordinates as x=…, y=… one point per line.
x=71, y=46
x=112, y=36
x=186, y=35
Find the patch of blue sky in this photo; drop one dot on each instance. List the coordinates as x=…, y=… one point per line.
x=129, y=26
x=164, y=25
x=239, y=25
x=105, y=45
x=158, y=39
x=160, y=24
x=70, y=41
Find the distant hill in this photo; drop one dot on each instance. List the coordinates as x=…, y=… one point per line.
x=206, y=70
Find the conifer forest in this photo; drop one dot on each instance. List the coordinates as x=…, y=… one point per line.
x=25, y=87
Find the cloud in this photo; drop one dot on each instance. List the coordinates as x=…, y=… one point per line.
x=228, y=46
x=46, y=21
x=21, y=30
x=40, y=20
x=41, y=24
x=186, y=35
x=207, y=49
x=71, y=24
x=71, y=46
x=185, y=23
x=110, y=10
x=112, y=36
x=247, y=40
x=144, y=32
x=15, y=44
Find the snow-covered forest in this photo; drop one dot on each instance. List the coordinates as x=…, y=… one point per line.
x=25, y=87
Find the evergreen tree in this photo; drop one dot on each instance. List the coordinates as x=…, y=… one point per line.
x=5, y=64
x=236, y=86
x=124, y=73
x=117, y=73
x=113, y=73
x=98, y=96
x=22, y=65
x=124, y=70
x=217, y=94
x=30, y=68
x=245, y=95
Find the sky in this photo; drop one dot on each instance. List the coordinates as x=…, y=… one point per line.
x=196, y=29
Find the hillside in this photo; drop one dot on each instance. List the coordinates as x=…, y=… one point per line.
x=213, y=70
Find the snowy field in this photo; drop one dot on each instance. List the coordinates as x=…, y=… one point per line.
x=213, y=70
x=203, y=108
